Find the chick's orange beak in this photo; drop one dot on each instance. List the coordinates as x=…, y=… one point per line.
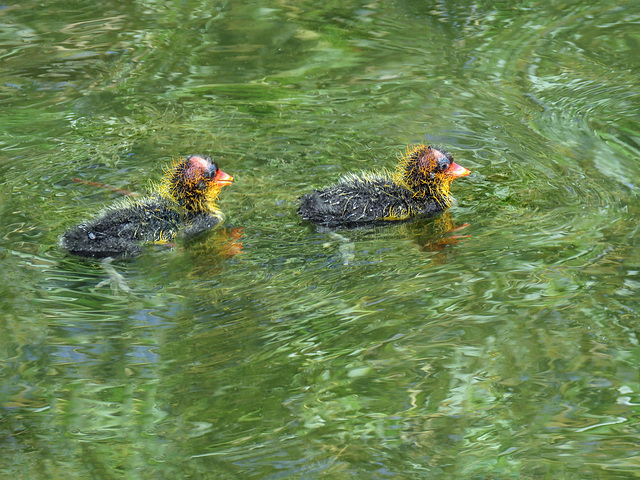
x=222, y=178
x=456, y=170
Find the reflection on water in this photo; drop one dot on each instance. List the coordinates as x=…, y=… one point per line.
x=497, y=340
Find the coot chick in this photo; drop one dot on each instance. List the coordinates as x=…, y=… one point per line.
x=419, y=186
x=184, y=199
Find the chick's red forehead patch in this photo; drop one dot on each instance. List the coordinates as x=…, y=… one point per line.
x=429, y=155
x=437, y=154
x=199, y=162
x=196, y=166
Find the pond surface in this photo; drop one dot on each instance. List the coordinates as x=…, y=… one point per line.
x=274, y=350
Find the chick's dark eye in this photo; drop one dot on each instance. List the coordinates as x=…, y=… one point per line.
x=212, y=170
x=443, y=164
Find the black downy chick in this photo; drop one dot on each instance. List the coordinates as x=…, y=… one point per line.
x=184, y=199
x=419, y=186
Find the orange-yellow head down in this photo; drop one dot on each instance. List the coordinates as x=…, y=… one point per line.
x=429, y=171
x=194, y=183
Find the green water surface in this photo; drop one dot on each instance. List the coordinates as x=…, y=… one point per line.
x=273, y=350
